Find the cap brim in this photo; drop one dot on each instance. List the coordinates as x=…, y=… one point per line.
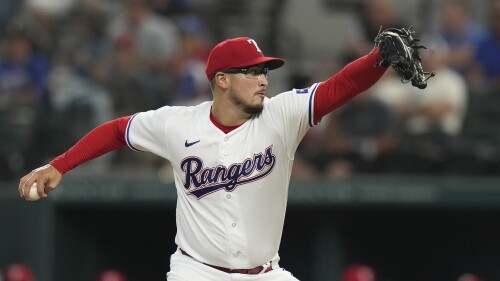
x=270, y=62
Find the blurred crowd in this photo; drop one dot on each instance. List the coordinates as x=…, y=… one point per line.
x=23, y=272
x=68, y=66
x=363, y=272
x=449, y=128
x=351, y=272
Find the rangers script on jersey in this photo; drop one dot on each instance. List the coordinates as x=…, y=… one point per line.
x=232, y=188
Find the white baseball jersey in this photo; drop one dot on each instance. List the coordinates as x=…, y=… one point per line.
x=232, y=188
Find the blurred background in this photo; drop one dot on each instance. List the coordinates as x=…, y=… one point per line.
x=399, y=184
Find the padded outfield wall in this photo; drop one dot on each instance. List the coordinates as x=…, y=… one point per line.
x=407, y=228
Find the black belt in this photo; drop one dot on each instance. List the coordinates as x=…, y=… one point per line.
x=251, y=271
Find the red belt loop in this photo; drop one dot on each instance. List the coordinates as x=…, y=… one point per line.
x=252, y=271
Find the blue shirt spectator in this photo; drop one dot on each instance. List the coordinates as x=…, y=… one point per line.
x=484, y=77
x=23, y=73
x=488, y=55
x=460, y=32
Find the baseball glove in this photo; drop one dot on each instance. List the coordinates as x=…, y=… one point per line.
x=399, y=49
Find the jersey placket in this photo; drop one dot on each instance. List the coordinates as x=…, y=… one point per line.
x=230, y=206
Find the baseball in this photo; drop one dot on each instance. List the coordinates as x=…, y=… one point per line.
x=34, y=192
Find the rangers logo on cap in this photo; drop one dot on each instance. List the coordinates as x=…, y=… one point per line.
x=238, y=52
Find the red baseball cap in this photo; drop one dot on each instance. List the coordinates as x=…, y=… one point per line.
x=238, y=52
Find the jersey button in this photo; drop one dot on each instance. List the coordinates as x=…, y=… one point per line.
x=237, y=253
x=234, y=224
x=226, y=138
x=228, y=196
x=225, y=154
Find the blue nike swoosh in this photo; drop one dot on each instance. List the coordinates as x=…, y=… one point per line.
x=188, y=144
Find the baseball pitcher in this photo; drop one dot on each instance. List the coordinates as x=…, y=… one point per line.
x=232, y=157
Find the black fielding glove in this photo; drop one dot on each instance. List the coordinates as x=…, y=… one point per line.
x=399, y=49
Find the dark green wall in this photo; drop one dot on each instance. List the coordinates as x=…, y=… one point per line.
x=412, y=230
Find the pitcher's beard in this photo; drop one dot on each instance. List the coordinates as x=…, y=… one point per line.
x=247, y=107
x=253, y=110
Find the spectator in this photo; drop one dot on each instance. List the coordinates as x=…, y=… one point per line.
x=189, y=63
x=435, y=117
x=128, y=84
x=374, y=15
x=23, y=93
x=428, y=120
x=441, y=107
x=460, y=32
x=485, y=76
x=156, y=41
x=42, y=21
x=83, y=42
x=23, y=72
x=80, y=100
x=127, y=78
x=360, y=136
x=78, y=80
x=18, y=272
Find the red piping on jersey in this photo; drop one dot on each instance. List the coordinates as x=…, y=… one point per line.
x=127, y=133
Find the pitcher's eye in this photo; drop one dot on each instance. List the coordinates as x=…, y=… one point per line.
x=257, y=71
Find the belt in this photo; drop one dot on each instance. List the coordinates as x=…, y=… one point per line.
x=252, y=271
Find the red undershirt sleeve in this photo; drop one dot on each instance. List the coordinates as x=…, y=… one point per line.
x=101, y=140
x=355, y=78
